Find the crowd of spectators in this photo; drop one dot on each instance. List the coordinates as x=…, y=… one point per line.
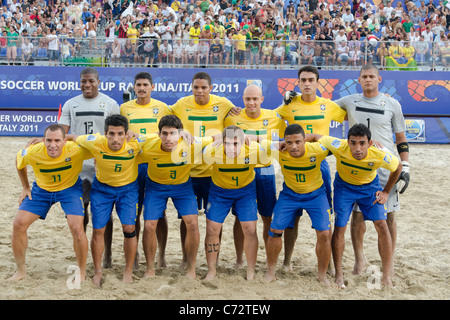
x=260, y=33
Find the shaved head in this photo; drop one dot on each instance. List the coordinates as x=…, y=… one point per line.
x=253, y=89
x=252, y=100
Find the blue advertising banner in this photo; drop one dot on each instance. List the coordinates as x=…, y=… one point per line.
x=33, y=89
x=25, y=123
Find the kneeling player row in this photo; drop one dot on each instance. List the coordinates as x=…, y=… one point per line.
x=168, y=160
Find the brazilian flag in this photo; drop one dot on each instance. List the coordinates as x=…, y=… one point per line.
x=404, y=64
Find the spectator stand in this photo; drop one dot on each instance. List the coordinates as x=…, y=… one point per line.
x=236, y=31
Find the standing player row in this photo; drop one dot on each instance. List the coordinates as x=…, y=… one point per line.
x=203, y=112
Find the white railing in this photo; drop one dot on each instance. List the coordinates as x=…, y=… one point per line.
x=224, y=53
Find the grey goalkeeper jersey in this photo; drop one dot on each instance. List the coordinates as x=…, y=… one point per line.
x=86, y=116
x=382, y=114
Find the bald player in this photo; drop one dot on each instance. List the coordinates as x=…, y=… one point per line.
x=314, y=114
x=356, y=181
x=303, y=189
x=264, y=124
x=56, y=165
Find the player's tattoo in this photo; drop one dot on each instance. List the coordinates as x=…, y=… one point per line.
x=212, y=247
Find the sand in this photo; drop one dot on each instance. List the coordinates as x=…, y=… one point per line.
x=422, y=257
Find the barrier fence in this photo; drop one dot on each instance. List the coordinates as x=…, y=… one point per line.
x=224, y=53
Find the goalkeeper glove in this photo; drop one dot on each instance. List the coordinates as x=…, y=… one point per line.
x=288, y=96
x=403, y=180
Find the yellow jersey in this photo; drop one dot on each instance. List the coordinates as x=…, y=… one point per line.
x=143, y=119
x=202, y=121
x=302, y=175
x=268, y=125
x=240, y=41
x=395, y=51
x=114, y=168
x=314, y=117
x=54, y=174
x=170, y=167
x=234, y=173
x=133, y=34
x=194, y=33
x=358, y=172
x=175, y=5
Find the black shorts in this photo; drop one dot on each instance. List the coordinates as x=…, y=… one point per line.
x=86, y=185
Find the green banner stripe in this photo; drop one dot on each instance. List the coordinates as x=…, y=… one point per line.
x=234, y=169
x=108, y=157
x=165, y=165
x=355, y=166
x=299, y=168
x=143, y=120
x=202, y=118
x=56, y=169
x=318, y=117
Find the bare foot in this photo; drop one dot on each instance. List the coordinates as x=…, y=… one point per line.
x=330, y=271
x=127, y=277
x=287, y=267
x=161, y=262
x=97, y=278
x=339, y=281
x=359, y=266
x=238, y=265
x=270, y=276
x=324, y=280
x=17, y=276
x=149, y=273
x=191, y=275
x=250, y=274
x=210, y=275
x=386, y=281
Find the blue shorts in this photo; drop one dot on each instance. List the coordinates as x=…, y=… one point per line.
x=266, y=190
x=201, y=190
x=222, y=200
x=290, y=204
x=345, y=195
x=104, y=197
x=71, y=200
x=156, y=196
x=142, y=175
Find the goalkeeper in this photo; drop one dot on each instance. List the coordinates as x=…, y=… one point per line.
x=383, y=115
